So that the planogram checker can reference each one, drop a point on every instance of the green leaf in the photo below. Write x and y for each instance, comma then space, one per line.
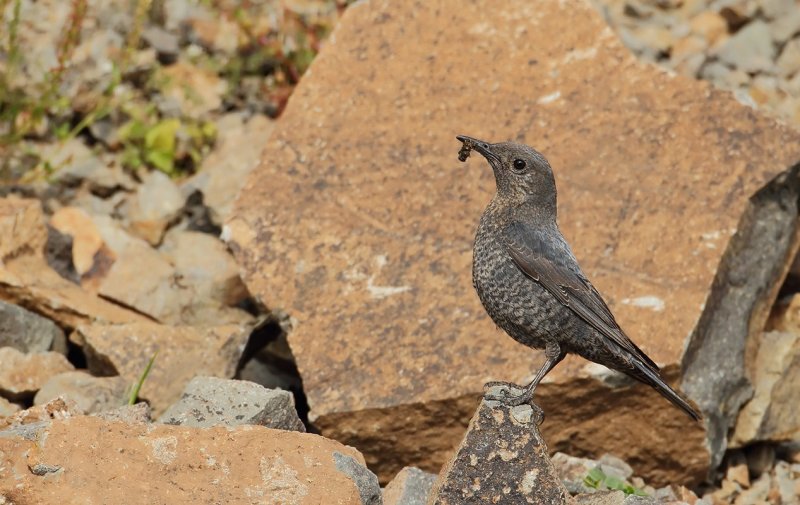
161, 137
612, 482
138, 386
162, 161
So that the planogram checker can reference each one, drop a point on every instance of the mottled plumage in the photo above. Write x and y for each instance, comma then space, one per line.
530, 282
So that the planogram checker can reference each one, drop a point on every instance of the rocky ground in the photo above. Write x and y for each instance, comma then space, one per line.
128, 129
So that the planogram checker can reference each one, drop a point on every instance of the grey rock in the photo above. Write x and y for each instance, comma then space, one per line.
508, 459
775, 9
210, 401
165, 43
789, 60
715, 373
785, 27
91, 394
131, 414
28, 332
723, 75
7, 408
367, 482
411, 486
750, 49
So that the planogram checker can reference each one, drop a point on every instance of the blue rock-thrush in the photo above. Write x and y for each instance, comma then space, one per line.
531, 284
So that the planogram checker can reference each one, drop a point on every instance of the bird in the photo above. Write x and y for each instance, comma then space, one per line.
531, 284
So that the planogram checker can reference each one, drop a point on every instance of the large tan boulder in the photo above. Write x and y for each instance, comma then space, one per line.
360, 221
85, 459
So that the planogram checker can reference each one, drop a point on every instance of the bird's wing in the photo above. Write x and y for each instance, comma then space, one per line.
554, 267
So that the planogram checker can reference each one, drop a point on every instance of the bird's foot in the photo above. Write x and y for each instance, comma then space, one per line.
507, 393
512, 395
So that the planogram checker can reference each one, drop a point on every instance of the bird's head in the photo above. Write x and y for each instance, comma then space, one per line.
523, 175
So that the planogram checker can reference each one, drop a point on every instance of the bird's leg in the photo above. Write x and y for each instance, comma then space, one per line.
553, 355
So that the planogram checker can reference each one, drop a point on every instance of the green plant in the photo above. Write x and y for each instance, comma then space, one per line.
134, 396
598, 479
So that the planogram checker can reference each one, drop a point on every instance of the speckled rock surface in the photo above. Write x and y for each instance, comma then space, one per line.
363, 231
72, 461
411, 486
211, 401
502, 459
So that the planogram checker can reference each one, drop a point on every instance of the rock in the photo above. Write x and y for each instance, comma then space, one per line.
183, 353
138, 413
789, 60
411, 486
391, 337
208, 273
156, 204
21, 375
197, 91
91, 394
215, 34
179, 464
28, 332
502, 459
785, 27
7, 408
58, 408
209, 401
367, 482
28, 281
774, 9
772, 414
145, 280
236, 153
86, 238
750, 49
191, 280
165, 43
724, 76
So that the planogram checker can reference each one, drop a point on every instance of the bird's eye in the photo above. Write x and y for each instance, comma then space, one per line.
519, 165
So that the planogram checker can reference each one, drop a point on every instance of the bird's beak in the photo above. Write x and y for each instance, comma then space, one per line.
483, 147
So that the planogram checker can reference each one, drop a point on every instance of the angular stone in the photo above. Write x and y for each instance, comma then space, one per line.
28, 332
236, 154
183, 353
86, 238
39, 415
7, 408
91, 394
502, 459
138, 413
789, 60
772, 414
613, 498
210, 401
178, 464
209, 275
750, 49
411, 486
360, 225
192, 280
22, 375
156, 203
785, 27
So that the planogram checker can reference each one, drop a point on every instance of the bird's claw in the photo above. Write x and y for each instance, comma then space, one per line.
505, 396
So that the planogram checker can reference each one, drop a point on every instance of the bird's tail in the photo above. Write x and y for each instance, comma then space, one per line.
653, 378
